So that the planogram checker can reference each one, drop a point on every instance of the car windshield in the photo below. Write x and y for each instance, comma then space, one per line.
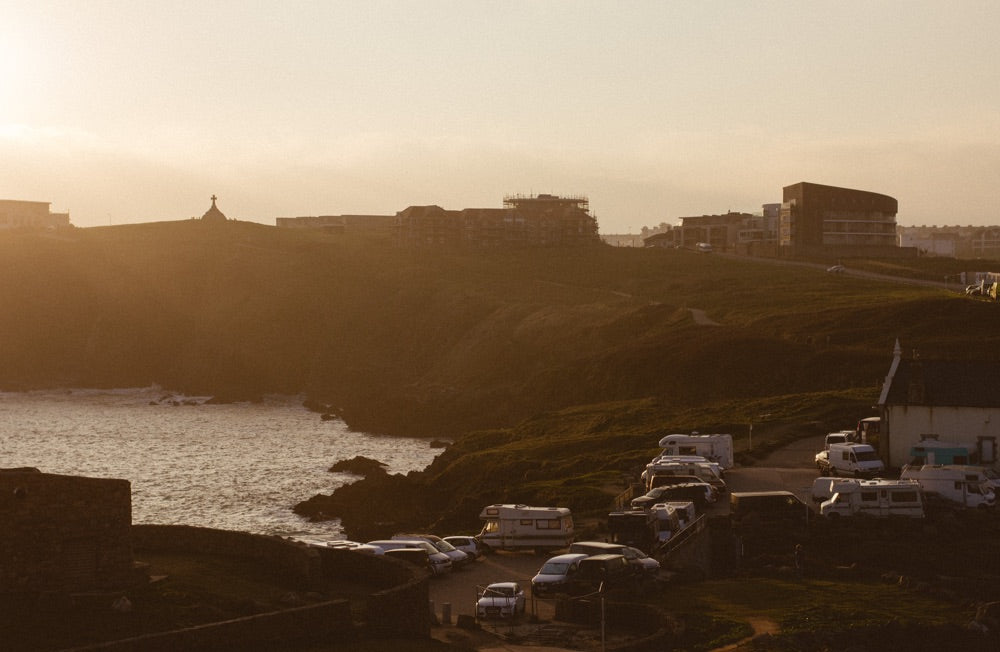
444, 546
554, 568
500, 590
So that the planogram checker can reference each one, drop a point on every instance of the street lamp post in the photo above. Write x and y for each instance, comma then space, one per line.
750, 434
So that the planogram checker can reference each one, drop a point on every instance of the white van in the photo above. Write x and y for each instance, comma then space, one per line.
715, 448
520, 527
879, 498
954, 484
859, 460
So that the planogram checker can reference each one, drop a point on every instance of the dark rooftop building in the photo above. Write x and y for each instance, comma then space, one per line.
815, 217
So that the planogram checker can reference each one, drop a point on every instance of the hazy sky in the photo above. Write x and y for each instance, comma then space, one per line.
139, 111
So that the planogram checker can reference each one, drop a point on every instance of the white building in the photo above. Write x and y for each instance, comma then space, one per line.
948, 400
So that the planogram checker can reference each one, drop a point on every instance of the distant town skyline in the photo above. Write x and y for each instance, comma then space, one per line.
120, 112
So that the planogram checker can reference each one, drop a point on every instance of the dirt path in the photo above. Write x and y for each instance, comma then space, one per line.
701, 318
760, 626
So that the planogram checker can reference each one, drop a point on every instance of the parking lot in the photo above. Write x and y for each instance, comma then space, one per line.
789, 469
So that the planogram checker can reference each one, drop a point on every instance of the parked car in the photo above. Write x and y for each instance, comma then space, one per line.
700, 493
605, 571
458, 558
440, 562
556, 575
468, 545
416, 556
353, 546
640, 562
500, 600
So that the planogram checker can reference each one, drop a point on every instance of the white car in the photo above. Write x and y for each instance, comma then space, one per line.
500, 600
440, 562
457, 557
468, 545
353, 546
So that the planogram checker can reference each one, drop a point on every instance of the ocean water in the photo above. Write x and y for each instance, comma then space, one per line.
240, 466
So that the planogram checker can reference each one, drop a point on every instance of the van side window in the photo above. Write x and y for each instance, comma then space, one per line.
903, 496
527, 521
869, 497
547, 524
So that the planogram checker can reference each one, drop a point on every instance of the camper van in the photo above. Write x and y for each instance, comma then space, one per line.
520, 527
715, 448
959, 484
824, 487
859, 460
880, 498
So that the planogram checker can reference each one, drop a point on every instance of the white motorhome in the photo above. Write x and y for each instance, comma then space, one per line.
859, 460
824, 487
716, 448
959, 484
520, 527
879, 498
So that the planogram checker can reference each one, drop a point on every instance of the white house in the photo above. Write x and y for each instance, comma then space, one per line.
955, 401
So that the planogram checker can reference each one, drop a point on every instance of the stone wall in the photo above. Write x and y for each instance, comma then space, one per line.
400, 594
399, 603
64, 533
296, 562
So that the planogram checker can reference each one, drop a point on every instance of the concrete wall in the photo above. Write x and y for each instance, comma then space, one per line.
64, 533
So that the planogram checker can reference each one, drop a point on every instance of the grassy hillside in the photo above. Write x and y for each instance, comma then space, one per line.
435, 342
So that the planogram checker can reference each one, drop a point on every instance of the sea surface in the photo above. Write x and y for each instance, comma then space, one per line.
239, 466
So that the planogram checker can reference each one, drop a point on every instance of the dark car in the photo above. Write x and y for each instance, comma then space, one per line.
605, 571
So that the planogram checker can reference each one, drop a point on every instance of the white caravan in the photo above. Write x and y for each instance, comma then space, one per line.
955, 484
880, 498
715, 448
520, 527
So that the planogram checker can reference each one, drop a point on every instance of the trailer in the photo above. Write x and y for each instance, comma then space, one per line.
521, 527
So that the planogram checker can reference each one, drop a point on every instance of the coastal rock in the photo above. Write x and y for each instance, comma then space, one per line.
360, 465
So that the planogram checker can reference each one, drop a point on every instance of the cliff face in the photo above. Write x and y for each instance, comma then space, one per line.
437, 342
